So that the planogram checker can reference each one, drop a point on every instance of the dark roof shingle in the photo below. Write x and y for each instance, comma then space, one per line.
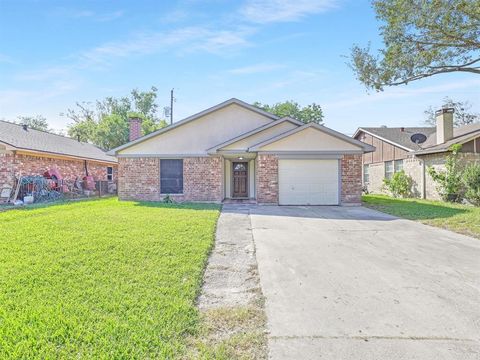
36, 140
399, 137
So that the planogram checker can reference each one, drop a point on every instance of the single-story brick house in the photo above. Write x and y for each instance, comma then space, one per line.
414, 149
25, 151
236, 151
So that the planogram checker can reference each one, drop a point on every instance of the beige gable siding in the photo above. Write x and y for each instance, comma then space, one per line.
197, 136
310, 139
261, 136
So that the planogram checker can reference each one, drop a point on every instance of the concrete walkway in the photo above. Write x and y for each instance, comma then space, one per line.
352, 283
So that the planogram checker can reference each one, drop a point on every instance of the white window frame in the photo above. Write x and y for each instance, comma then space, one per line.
366, 174
395, 168
389, 174
109, 173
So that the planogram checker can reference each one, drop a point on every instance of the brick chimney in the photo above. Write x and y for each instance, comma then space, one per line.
444, 125
135, 128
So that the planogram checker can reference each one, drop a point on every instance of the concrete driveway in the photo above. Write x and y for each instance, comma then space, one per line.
352, 283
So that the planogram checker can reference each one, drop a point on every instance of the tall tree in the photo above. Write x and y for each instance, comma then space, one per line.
37, 122
463, 114
307, 114
422, 38
106, 123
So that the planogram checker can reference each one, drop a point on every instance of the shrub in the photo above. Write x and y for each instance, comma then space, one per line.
449, 182
168, 199
400, 185
471, 181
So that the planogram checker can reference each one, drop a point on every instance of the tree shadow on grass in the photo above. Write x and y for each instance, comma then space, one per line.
415, 210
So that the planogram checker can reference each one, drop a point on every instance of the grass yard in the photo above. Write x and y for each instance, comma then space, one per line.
455, 217
102, 279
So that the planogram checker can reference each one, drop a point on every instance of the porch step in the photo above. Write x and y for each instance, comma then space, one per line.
239, 201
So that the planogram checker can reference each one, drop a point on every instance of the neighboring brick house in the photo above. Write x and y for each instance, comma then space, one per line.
414, 149
237, 151
25, 151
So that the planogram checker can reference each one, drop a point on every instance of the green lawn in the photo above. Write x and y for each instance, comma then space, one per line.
459, 218
102, 279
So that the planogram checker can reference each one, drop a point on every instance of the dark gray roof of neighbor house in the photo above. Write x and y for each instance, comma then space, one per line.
397, 136
461, 135
35, 140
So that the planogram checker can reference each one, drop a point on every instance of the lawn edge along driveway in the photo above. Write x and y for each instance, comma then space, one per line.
462, 219
102, 279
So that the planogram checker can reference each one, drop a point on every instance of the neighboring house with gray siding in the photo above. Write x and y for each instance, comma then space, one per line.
413, 149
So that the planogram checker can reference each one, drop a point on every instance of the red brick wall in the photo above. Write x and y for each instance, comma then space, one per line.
16, 165
267, 179
351, 179
203, 179
139, 179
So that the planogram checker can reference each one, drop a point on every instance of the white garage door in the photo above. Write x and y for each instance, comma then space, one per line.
308, 182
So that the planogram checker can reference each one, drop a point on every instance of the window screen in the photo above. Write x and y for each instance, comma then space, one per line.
365, 174
388, 169
171, 176
398, 165
109, 173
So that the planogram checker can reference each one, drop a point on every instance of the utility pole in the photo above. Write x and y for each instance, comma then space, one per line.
171, 107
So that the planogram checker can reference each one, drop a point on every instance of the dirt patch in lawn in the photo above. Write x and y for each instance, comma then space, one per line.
231, 303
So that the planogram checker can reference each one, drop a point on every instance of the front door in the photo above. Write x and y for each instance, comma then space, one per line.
240, 179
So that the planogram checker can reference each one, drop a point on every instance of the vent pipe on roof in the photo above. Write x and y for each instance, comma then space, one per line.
444, 125
25, 127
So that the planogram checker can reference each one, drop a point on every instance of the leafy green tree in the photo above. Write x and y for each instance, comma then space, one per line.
37, 122
422, 38
471, 181
106, 124
450, 185
462, 115
307, 114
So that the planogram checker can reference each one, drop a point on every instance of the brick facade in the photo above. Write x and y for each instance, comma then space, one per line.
15, 165
139, 179
203, 180
351, 170
267, 179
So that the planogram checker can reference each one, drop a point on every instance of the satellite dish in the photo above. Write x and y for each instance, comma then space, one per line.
418, 138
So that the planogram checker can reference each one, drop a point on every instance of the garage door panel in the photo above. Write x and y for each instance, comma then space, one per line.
308, 182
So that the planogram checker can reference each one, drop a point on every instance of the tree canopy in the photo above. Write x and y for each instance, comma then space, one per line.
307, 114
37, 122
106, 123
422, 38
463, 114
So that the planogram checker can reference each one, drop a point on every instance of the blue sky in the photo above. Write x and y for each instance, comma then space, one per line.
55, 53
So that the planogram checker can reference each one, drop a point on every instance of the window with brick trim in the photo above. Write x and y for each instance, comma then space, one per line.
389, 169
171, 176
365, 174
109, 173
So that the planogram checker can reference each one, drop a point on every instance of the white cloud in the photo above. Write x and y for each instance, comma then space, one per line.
183, 40
269, 11
256, 68
89, 14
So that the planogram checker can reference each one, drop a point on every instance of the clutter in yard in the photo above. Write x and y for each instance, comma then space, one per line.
52, 186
